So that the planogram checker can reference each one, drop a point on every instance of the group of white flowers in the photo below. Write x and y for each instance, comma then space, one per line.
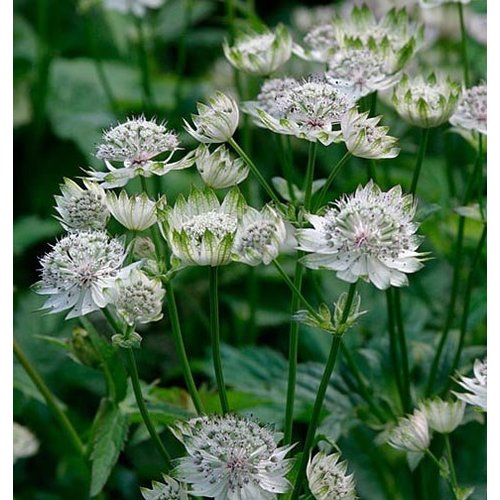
369, 234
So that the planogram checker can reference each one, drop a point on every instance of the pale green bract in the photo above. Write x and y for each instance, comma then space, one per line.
169, 489
411, 433
476, 387
443, 416
135, 212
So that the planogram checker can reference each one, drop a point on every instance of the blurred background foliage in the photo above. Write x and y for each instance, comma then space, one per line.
77, 71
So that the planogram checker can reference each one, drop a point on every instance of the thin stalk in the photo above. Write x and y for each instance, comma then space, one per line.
373, 103
451, 464
180, 348
286, 157
329, 180
255, 171
144, 66
320, 396
293, 349
420, 159
372, 110
463, 45
60, 416
215, 338
230, 18
132, 367
403, 350
311, 161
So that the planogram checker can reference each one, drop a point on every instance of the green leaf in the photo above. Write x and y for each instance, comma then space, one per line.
31, 229
109, 435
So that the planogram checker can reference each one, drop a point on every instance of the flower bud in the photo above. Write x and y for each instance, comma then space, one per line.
411, 433
136, 212
443, 416
83, 349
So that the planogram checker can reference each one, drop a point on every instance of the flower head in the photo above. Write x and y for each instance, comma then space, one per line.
137, 298
136, 212
81, 208
443, 416
169, 489
215, 123
136, 144
370, 234
411, 433
78, 269
231, 458
365, 139
25, 442
426, 103
201, 230
476, 387
135, 7
220, 169
260, 53
328, 479
259, 237
471, 112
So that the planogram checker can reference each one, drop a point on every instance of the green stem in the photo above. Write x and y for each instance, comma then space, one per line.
403, 350
144, 66
132, 366
255, 171
465, 59
50, 400
230, 17
329, 180
180, 348
215, 338
320, 396
420, 160
451, 464
308, 181
293, 348
287, 163
373, 103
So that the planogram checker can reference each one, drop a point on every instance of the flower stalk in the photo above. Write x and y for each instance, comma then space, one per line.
420, 159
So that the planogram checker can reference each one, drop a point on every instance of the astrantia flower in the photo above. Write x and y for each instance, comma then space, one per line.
328, 479
259, 237
77, 270
443, 416
136, 7
426, 103
411, 433
320, 43
25, 443
81, 208
215, 123
137, 298
135, 144
168, 490
260, 53
365, 139
268, 98
311, 110
471, 112
220, 169
136, 212
201, 230
232, 458
427, 4
370, 234
476, 387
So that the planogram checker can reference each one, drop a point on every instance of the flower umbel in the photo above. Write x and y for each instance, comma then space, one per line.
328, 478
365, 139
81, 208
471, 113
411, 433
77, 270
215, 123
170, 489
370, 234
231, 458
260, 53
476, 387
443, 416
136, 212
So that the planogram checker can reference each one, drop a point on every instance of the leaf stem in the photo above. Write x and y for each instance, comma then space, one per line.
308, 181
420, 159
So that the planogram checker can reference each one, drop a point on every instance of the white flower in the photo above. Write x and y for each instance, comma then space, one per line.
201, 230
77, 270
215, 123
320, 43
135, 144
426, 103
232, 458
25, 442
311, 110
365, 139
81, 208
443, 416
411, 433
268, 97
370, 234
137, 298
427, 4
471, 112
220, 169
476, 387
328, 479
170, 489
136, 7
259, 237
136, 212
260, 53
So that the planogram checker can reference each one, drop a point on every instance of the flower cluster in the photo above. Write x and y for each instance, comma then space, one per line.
476, 387
471, 112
